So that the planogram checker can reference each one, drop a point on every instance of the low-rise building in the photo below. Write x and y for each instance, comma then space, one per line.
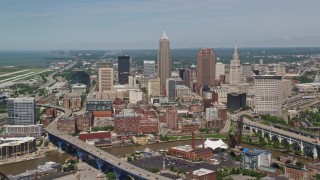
297, 173
140, 139
78, 88
74, 124
13, 147
99, 139
201, 174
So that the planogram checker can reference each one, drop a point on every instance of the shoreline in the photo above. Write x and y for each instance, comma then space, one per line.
19, 159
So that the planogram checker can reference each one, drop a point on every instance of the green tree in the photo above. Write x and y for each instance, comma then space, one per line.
111, 176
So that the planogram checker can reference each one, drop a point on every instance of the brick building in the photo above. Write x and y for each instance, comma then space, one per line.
192, 152
51, 112
135, 125
296, 172
172, 119
73, 124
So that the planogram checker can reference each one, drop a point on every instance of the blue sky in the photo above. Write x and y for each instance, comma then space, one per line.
138, 24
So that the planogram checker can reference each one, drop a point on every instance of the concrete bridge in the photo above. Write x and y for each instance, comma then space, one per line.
104, 160
308, 146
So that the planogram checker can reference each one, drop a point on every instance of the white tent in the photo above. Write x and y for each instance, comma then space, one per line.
215, 144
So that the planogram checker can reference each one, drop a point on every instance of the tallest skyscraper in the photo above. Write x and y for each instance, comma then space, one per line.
164, 62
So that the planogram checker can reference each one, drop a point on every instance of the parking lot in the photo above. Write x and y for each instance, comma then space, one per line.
181, 164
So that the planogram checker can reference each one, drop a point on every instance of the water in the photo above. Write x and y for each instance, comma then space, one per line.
29, 58
20, 167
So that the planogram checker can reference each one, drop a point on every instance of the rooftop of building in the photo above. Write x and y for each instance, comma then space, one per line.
94, 135
15, 141
31, 125
78, 85
254, 151
22, 99
202, 172
185, 148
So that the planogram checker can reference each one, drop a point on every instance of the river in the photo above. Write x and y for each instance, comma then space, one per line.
116, 151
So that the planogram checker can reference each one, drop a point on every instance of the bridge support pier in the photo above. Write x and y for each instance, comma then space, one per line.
100, 164
59, 146
315, 152
118, 174
270, 136
301, 147
81, 154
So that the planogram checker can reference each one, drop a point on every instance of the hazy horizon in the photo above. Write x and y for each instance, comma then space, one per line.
138, 24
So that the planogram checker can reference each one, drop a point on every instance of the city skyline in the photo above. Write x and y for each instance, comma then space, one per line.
97, 24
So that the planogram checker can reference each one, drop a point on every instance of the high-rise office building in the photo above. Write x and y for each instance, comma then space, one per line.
268, 94
235, 68
171, 89
105, 79
220, 70
149, 68
123, 69
206, 67
21, 111
164, 61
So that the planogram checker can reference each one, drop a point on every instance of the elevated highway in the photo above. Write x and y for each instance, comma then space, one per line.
309, 146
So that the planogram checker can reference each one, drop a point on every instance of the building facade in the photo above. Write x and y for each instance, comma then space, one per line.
164, 61
268, 95
149, 68
236, 101
171, 89
220, 70
105, 79
252, 159
154, 88
123, 69
247, 70
21, 111
206, 67
235, 68
172, 119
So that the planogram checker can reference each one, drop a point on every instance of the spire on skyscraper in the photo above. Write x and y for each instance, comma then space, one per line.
164, 35
235, 53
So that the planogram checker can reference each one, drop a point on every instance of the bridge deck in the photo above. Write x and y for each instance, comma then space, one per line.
281, 132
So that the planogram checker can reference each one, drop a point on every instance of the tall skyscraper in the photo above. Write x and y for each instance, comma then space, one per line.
105, 79
149, 68
21, 111
123, 69
268, 94
164, 61
206, 67
235, 68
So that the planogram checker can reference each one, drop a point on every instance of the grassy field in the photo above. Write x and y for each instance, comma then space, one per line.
198, 136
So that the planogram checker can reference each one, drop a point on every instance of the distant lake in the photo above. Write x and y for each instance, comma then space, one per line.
30, 58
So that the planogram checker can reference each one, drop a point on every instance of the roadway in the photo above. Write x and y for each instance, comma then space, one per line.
280, 131
114, 161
